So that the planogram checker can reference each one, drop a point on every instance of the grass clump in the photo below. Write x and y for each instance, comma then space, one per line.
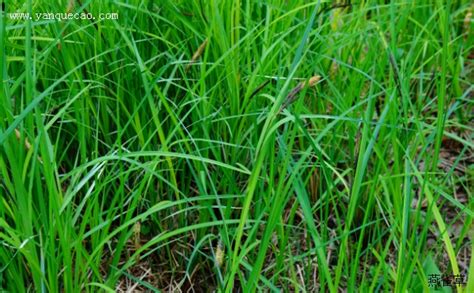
236, 145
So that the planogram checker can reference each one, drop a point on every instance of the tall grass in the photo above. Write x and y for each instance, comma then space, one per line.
159, 151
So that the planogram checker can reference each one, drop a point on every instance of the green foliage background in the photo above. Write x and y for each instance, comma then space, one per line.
125, 161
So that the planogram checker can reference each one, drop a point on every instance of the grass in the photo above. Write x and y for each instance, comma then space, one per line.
237, 146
